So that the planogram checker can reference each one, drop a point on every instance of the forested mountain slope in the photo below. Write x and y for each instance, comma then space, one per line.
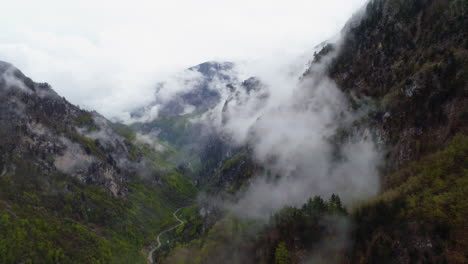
411, 56
407, 61
75, 188
363, 160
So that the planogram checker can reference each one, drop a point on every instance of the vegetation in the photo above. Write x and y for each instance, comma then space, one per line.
85, 120
124, 131
58, 219
176, 130
407, 59
288, 232
51, 217
419, 217
281, 254
424, 209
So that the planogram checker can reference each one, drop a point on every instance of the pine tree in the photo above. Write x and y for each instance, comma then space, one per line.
281, 254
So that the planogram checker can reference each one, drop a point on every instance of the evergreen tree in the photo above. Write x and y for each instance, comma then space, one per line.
281, 254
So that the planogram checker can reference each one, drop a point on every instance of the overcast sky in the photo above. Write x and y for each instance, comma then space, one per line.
107, 55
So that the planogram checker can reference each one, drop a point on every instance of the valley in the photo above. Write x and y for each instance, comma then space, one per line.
150, 254
357, 154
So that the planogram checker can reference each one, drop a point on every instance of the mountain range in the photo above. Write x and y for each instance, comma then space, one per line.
389, 104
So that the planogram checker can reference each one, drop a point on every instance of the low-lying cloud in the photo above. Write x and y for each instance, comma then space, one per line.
108, 55
293, 132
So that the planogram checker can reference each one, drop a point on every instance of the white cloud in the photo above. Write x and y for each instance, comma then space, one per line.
107, 55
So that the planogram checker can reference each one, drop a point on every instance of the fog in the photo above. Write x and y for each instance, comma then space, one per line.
291, 121
115, 67
131, 58
293, 133
108, 55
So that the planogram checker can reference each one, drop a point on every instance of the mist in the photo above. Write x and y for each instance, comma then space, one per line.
294, 122
291, 115
291, 122
108, 56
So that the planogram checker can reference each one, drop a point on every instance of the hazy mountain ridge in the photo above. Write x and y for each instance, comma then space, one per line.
74, 187
203, 149
412, 58
406, 61
44, 127
197, 90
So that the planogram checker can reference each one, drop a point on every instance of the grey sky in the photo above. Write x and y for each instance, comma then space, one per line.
107, 55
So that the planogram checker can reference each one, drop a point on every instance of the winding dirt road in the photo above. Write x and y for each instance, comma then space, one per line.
150, 254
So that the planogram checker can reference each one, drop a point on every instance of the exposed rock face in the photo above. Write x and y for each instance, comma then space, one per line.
216, 94
407, 60
203, 85
411, 57
40, 127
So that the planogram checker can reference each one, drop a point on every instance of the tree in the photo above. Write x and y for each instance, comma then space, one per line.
281, 254
335, 204
319, 205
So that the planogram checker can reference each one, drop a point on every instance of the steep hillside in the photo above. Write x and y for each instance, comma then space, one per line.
411, 57
406, 62
380, 116
75, 188
201, 88
200, 149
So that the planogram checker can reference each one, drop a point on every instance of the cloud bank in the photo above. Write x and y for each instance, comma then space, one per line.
294, 133
108, 55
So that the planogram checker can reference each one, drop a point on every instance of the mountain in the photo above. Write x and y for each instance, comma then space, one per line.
383, 107
405, 62
411, 57
201, 89
206, 87
56, 136
76, 188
